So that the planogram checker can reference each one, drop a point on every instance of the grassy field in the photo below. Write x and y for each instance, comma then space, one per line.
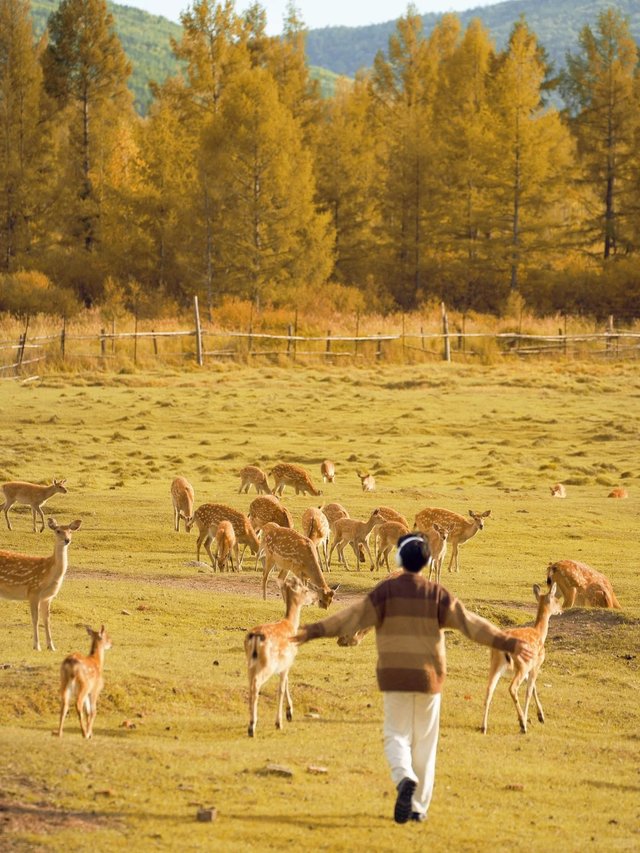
170, 735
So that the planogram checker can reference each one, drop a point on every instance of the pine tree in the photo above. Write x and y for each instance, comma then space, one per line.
600, 85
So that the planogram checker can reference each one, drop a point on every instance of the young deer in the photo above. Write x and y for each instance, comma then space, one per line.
17, 492
334, 511
548, 605
328, 471
290, 551
207, 518
348, 531
558, 491
268, 508
269, 649
251, 475
315, 526
387, 536
287, 474
367, 481
580, 584
618, 492
182, 498
459, 528
437, 537
37, 579
226, 544
81, 677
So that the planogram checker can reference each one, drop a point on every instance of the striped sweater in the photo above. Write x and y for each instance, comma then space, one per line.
410, 614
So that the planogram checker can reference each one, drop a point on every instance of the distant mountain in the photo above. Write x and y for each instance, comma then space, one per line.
557, 23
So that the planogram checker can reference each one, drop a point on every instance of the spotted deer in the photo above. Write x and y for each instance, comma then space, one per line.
268, 508
226, 545
182, 497
327, 471
334, 511
37, 579
348, 531
387, 535
81, 678
31, 494
367, 481
558, 491
437, 537
391, 514
207, 518
315, 525
580, 584
618, 492
251, 475
535, 636
295, 476
290, 551
459, 528
269, 649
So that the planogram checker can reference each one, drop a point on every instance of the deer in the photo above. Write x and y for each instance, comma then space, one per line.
288, 474
207, 518
367, 481
226, 544
334, 511
251, 475
268, 508
348, 531
391, 514
534, 636
618, 492
35, 496
580, 584
290, 551
437, 537
81, 677
182, 497
315, 526
459, 528
37, 579
270, 649
327, 471
558, 491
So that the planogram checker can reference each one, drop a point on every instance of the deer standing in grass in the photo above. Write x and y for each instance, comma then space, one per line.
387, 536
580, 584
268, 508
459, 528
618, 492
35, 496
334, 511
437, 538
290, 551
182, 497
207, 518
367, 481
534, 637
269, 649
81, 678
558, 491
315, 526
328, 471
288, 474
348, 531
37, 579
251, 475
225, 544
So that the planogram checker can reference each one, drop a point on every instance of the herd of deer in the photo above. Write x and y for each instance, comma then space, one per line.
268, 531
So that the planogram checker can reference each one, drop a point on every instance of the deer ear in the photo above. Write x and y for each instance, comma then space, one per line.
89, 630
486, 514
52, 523
76, 525
553, 589
536, 591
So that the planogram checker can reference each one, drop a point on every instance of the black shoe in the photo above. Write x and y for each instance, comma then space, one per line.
419, 817
402, 811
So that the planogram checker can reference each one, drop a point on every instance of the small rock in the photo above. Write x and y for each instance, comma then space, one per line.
276, 770
107, 792
216, 663
206, 815
125, 612
317, 769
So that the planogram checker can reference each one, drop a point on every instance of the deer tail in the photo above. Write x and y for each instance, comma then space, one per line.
255, 639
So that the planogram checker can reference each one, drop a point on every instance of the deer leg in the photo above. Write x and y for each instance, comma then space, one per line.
80, 702
531, 691
34, 604
46, 607
569, 597
7, 507
288, 695
268, 565
65, 696
497, 668
331, 550
199, 544
207, 546
366, 548
33, 518
92, 708
513, 692
280, 699
454, 557
176, 519
355, 551
254, 692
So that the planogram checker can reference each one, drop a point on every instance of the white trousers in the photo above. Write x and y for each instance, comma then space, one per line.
411, 725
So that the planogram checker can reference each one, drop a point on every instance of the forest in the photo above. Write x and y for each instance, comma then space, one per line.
445, 172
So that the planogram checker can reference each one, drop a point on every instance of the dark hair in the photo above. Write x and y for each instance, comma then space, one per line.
413, 552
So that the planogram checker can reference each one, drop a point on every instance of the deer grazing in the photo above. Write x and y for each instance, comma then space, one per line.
268, 508
459, 528
182, 498
288, 474
387, 535
618, 492
226, 544
328, 471
37, 579
348, 531
290, 551
81, 678
535, 636
31, 494
558, 491
315, 526
251, 475
207, 518
580, 584
367, 481
270, 649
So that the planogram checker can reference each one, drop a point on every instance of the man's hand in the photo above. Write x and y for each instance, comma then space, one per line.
301, 637
524, 651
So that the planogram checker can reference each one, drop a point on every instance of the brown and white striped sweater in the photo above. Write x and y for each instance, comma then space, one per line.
410, 614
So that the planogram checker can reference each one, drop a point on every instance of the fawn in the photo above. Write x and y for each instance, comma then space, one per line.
81, 677
182, 497
348, 531
225, 544
328, 471
288, 474
17, 492
251, 475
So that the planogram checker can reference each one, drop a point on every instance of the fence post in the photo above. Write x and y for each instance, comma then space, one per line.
295, 335
103, 343
379, 348
135, 339
328, 347
155, 342
422, 335
357, 331
196, 312
63, 335
113, 336
21, 344
404, 349
446, 355
289, 342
